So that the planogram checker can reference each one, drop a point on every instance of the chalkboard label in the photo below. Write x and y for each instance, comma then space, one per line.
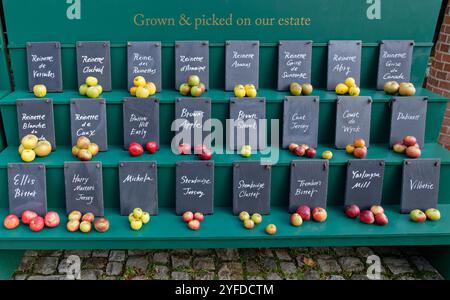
294, 63
247, 123
195, 187
241, 63
35, 116
190, 117
27, 188
420, 184
84, 187
140, 121
408, 118
352, 120
191, 58
300, 120
251, 187
364, 182
138, 186
93, 59
144, 59
44, 65
88, 118
344, 60
309, 184
394, 62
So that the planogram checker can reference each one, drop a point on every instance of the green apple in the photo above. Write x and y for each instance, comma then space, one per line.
137, 213
257, 218
145, 217
83, 89
433, 214
244, 216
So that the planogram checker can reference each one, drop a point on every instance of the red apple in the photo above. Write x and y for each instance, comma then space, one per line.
409, 140
37, 224
359, 143
305, 212
199, 216
319, 214
304, 146
300, 151
417, 215
381, 219
51, 219
198, 149
151, 147
413, 152
73, 225
360, 152
377, 209
135, 149
367, 217
28, 216
88, 217
188, 216
352, 211
11, 222
292, 147
101, 225
296, 220
311, 152
194, 224
184, 149
206, 155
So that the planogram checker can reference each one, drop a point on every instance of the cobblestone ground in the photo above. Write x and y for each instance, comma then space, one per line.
294, 263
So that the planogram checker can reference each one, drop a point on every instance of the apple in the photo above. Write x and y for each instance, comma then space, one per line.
391, 87
75, 215
93, 148
433, 214
133, 91
349, 149
198, 149
350, 82
407, 89
354, 91
360, 152
194, 225
139, 81
101, 225
246, 151
21, 148
413, 152
145, 217
319, 214
377, 209
367, 217
296, 220
196, 91
85, 226
37, 224
295, 88
73, 225
251, 92
84, 155
27, 216
83, 142
359, 143
11, 222
88, 217
352, 211
28, 155
188, 216
399, 147
137, 213
206, 155
151, 147
305, 212
184, 89
202, 87
40, 90
311, 152
304, 146
193, 80
249, 224
409, 140
83, 89
381, 219
135, 149
307, 89
75, 151
417, 215
52, 219
43, 148
91, 81
327, 154
93, 92
300, 151
271, 229
239, 91
199, 216
151, 87
184, 149
257, 218
244, 216
29, 141
292, 147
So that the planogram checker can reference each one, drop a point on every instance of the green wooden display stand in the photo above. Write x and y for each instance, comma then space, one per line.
119, 22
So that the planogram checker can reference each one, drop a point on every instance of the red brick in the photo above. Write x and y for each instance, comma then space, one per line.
445, 85
446, 68
436, 65
441, 75
444, 47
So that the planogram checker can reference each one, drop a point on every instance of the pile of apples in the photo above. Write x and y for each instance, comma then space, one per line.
403, 89
304, 213
193, 86
84, 150
248, 221
31, 146
408, 146
374, 215
248, 90
203, 152
138, 218
33, 220
142, 88
77, 221
348, 87
193, 220
302, 150
419, 216
40, 90
298, 89
136, 149
358, 148
91, 88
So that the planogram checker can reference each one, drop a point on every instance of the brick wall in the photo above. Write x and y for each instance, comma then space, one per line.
438, 79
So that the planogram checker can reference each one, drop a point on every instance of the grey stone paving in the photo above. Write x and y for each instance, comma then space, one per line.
345, 263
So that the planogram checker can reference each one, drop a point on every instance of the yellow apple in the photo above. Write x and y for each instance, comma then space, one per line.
145, 217
251, 92
142, 92
136, 225
151, 87
341, 89
29, 141
350, 82
83, 89
354, 91
139, 81
40, 90
133, 90
91, 81
43, 148
21, 148
93, 92
28, 155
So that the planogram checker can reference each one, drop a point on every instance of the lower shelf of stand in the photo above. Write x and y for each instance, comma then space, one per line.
222, 229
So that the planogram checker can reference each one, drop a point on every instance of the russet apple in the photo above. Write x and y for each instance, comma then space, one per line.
27, 216
381, 219
367, 217
75, 215
199, 216
417, 215
88, 217
407, 89
433, 214
271, 229
256, 218
319, 214
29, 141
352, 211
11, 222
194, 225
37, 224
391, 87
73, 225
413, 152
244, 216
145, 217
101, 225
296, 220
52, 219
377, 209
307, 89
43, 148
188, 216
249, 224
83, 142
305, 212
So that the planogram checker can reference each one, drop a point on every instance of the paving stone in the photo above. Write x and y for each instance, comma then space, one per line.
351, 264
398, 265
254, 277
265, 252
137, 252
100, 253
139, 263
180, 262
269, 264
344, 251
184, 252
274, 276
202, 251
26, 265
180, 276
407, 278
204, 263
46, 265
204, 276
311, 275
80, 253
283, 254
51, 277
422, 265
231, 271
359, 277
139, 277
364, 251
249, 253
117, 255
161, 273
161, 258
91, 274
328, 265
335, 277
288, 268
228, 254
33, 253
20, 276
110, 278
114, 268
94, 263
251, 266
